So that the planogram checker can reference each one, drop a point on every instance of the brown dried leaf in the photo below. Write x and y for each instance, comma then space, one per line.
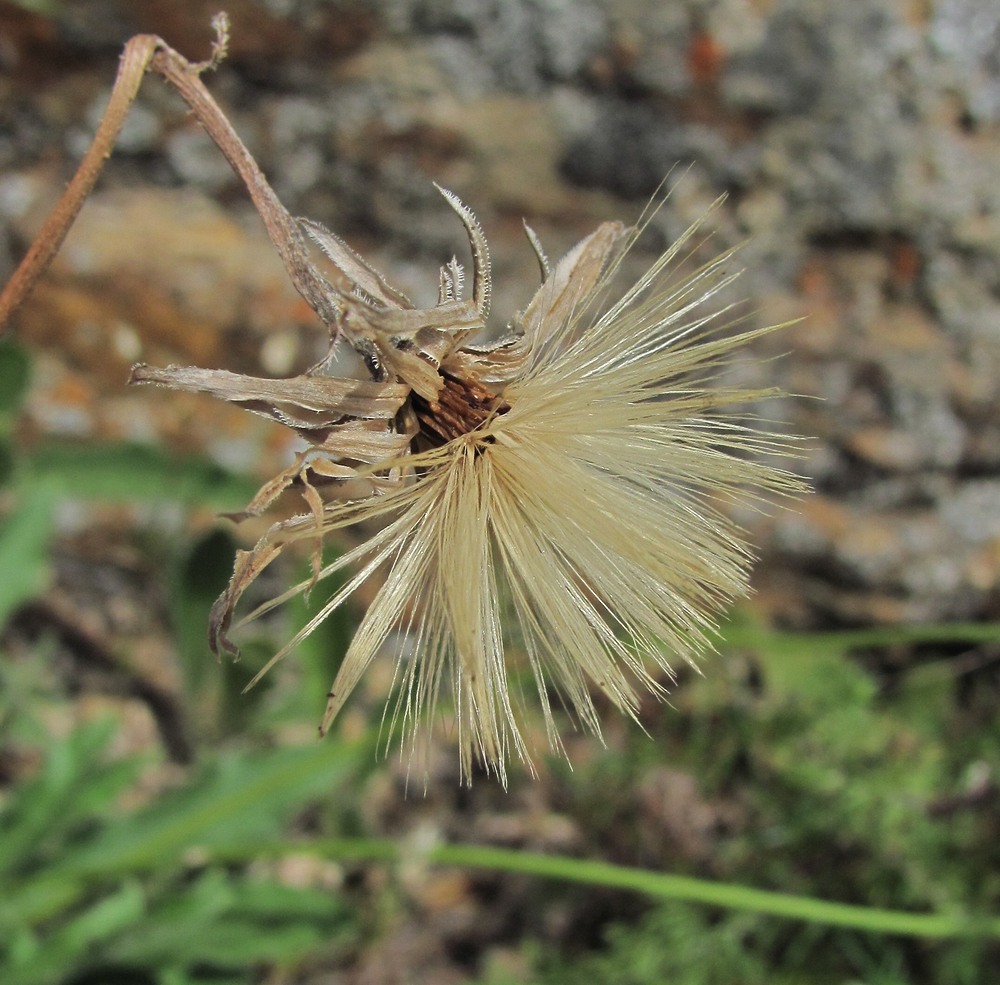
248, 566
333, 399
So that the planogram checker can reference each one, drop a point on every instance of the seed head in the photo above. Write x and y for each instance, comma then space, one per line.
551, 500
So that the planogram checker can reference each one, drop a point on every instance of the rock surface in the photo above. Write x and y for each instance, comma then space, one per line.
857, 143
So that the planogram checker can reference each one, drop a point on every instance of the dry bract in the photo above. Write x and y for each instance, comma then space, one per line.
549, 500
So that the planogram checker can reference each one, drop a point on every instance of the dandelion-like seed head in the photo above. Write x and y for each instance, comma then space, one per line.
551, 500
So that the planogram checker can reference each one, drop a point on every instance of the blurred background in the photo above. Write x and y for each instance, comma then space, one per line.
843, 743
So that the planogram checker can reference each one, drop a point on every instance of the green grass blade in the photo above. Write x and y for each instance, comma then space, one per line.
242, 798
745, 634
659, 885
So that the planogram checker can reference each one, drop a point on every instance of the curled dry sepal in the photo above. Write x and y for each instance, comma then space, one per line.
552, 499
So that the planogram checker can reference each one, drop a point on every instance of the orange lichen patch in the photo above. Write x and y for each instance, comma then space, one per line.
869, 537
915, 13
79, 319
970, 390
72, 391
279, 442
205, 276
823, 325
885, 446
705, 58
905, 264
70, 320
832, 520
814, 280
882, 610
982, 567
907, 328
272, 305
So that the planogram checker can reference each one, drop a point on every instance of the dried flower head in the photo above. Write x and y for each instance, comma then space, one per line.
552, 499
552, 496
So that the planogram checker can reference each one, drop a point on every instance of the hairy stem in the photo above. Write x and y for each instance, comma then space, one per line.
148, 52
280, 225
134, 61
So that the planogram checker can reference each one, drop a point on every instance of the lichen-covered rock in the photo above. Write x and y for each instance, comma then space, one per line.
858, 142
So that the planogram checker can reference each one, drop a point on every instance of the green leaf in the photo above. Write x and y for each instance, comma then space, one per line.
208, 922
102, 920
24, 541
225, 942
15, 375
8, 465
58, 798
321, 653
136, 472
199, 575
274, 901
242, 796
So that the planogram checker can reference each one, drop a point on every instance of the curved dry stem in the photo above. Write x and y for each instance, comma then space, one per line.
134, 61
332, 302
328, 301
